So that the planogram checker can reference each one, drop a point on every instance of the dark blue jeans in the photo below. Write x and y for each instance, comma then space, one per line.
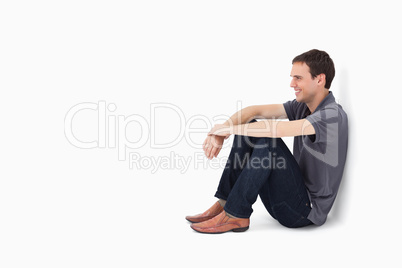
264, 167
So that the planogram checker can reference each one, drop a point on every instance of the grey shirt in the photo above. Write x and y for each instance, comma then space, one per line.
322, 156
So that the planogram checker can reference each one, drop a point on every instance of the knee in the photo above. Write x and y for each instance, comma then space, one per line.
257, 142
267, 142
271, 142
244, 141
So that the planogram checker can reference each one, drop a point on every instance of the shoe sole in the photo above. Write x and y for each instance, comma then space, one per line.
239, 230
236, 230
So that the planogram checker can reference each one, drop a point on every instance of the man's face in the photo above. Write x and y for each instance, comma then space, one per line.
305, 87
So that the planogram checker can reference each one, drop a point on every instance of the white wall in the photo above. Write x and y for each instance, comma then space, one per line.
69, 206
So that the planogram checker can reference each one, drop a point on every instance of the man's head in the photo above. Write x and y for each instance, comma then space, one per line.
312, 72
319, 62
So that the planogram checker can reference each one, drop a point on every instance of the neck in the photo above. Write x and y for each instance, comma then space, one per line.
317, 100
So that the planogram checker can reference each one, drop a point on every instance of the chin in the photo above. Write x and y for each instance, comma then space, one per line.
299, 99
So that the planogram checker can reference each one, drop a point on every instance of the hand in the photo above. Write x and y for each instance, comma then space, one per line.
213, 145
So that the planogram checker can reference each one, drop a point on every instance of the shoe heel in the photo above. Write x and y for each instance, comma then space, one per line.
238, 230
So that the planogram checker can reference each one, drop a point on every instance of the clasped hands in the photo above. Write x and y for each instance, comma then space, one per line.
213, 143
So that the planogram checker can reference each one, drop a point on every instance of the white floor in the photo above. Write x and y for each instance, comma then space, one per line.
89, 219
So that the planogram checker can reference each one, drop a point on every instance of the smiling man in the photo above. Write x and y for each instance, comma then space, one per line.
302, 189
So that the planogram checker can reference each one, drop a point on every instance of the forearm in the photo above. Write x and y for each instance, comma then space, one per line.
264, 128
241, 117
267, 128
244, 116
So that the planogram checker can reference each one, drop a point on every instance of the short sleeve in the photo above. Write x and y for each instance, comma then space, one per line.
290, 108
325, 123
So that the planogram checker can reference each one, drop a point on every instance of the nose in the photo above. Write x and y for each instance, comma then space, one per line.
292, 83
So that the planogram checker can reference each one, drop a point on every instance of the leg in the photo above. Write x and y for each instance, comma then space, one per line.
284, 194
255, 172
240, 153
272, 172
265, 168
242, 147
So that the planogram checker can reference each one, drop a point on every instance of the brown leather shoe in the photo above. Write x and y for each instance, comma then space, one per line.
221, 224
207, 215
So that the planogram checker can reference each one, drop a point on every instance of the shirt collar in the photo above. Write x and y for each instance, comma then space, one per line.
326, 101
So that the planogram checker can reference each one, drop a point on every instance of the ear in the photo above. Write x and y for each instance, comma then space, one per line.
321, 79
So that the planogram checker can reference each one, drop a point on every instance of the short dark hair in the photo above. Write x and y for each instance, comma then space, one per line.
319, 62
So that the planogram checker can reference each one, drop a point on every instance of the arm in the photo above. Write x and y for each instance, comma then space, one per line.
213, 143
267, 128
249, 113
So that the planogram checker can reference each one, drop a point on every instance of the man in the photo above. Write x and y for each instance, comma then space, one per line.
299, 189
